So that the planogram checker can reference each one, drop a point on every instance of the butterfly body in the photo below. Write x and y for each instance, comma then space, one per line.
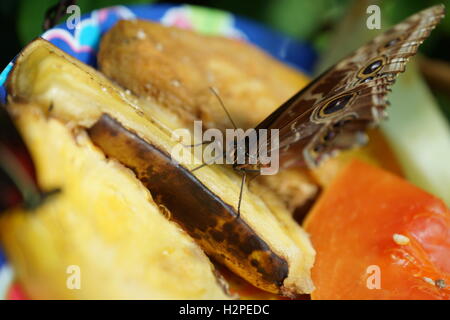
333, 112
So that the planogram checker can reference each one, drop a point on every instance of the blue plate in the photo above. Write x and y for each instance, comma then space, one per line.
82, 43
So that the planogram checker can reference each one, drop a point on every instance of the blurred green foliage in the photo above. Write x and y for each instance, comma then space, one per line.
303, 19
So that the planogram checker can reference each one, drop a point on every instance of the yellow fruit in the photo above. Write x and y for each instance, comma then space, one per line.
103, 221
266, 246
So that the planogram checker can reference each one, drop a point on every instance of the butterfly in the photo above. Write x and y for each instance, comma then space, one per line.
332, 113
334, 110
55, 13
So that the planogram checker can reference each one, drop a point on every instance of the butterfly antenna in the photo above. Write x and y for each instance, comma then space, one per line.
229, 117
252, 178
213, 90
206, 163
200, 166
195, 144
244, 175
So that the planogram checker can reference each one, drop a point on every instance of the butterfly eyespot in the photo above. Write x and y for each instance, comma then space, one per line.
331, 108
337, 104
343, 121
329, 135
319, 147
391, 42
340, 123
367, 79
372, 68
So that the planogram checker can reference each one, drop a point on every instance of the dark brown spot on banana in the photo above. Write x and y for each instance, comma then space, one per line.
206, 217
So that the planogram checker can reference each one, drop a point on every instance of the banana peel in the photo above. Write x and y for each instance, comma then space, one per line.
265, 245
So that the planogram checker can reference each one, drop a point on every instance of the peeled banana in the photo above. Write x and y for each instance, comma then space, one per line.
265, 245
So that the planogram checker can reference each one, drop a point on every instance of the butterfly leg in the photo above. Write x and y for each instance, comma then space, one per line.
211, 161
197, 144
244, 176
243, 181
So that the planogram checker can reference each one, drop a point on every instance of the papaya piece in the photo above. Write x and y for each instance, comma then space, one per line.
379, 237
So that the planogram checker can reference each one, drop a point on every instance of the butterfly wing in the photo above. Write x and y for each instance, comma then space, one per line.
333, 111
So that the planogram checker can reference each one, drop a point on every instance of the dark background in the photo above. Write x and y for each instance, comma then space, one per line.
311, 21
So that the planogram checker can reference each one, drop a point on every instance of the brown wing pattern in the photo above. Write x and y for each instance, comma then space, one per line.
332, 113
